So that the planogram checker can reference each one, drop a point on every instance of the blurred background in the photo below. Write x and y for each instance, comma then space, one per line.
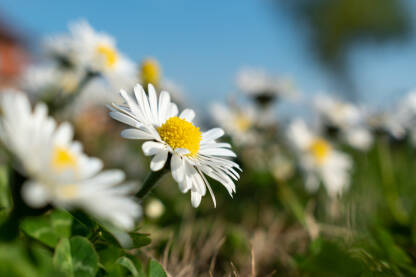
363, 50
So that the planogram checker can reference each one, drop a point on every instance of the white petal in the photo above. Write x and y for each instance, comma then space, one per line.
123, 118
35, 194
151, 148
153, 102
199, 184
218, 152
187, 182
134, 108
135, 134
143, 102
212, 134
182, 151
159, 160
63, 134
173, 110
195, 199
187, 114
178, 168
164, 102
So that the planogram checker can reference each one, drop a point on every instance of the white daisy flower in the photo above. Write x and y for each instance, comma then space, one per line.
401, 121
41, 79
193, 154
236, 122
58, 171
94, 51
263, 87
319, 160
346, 118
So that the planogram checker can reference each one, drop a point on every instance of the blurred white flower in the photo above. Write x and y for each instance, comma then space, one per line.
319, 160
402, 119
154, 208
236, 122
93, 51
57, 169
42, 79
192, 153
347, 118
258, 84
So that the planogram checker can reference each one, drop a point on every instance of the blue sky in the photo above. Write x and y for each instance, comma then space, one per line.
202, 44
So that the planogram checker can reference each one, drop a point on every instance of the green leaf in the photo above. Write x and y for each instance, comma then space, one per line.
50, 228
140, 239
18, 260
84, 257
62, 258
129, 265
154, 269
76, 257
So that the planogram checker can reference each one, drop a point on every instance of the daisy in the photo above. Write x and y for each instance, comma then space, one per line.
193, 154
58, 171
337, 115
93, 51
236, 122
401, 120
43, 80
264, 88
319, 160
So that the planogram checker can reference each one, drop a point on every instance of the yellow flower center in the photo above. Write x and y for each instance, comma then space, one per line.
63, 159
179, 133
320, 150
150, 72
109, 53
242, 122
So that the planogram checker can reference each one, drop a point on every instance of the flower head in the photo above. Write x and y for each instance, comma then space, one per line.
193, 154
89, 50
57, 169
346, 119
236, 122
320, 160
263, 87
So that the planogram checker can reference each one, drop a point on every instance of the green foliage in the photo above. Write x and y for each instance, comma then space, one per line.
5, 197
76, 257
154, 269
327, 258
49, 228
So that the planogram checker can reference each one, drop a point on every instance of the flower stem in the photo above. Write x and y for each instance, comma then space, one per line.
150, 182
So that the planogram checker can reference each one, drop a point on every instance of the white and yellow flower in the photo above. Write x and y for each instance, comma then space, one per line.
58, 171
236, 122
346, 117
319, 160
262, 86
41, 79
192, 153
94, 51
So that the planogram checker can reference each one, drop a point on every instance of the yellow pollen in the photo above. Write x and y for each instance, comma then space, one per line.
179, 133
242, 122
63, 159
109, 53
320, 150
150, 72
